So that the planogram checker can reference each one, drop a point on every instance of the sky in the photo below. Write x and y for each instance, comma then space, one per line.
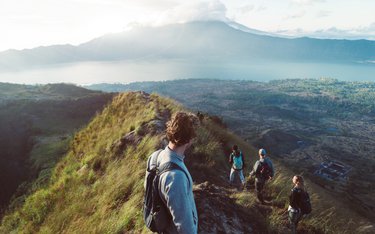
28, 24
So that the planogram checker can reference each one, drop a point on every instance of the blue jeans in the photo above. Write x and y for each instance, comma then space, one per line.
238, 172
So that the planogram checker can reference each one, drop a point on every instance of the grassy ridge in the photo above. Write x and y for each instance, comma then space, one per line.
333, 119
95, 187
98, 186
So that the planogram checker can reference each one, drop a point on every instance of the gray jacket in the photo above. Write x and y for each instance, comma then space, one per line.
176, 190
256, 168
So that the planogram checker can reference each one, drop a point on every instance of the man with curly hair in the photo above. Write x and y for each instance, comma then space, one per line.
176, 185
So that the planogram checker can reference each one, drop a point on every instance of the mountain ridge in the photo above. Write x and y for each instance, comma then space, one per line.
212, 40
304, 122
98, 186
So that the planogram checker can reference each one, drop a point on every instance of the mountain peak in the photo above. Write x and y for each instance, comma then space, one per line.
213, 41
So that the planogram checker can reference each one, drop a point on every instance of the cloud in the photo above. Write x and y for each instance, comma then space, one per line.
246, 9
297, 15
306, 2
364, 32
261, 8
131, 3
322, 14
194, 11
368, 29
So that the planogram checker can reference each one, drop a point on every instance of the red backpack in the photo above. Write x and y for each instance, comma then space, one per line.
265, 170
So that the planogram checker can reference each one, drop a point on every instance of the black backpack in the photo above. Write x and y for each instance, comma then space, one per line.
264, 170
155, 213
304, 202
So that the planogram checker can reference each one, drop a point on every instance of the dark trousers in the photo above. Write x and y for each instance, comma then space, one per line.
294, 218
259, 185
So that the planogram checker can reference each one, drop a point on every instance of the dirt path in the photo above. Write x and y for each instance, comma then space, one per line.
220, 213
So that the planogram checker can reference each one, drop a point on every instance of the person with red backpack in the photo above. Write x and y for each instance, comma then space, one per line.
263, 171
237, 163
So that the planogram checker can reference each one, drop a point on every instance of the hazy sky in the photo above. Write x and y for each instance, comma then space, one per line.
27, 24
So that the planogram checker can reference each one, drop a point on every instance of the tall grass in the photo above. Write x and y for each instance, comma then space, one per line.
98, 186
92, 189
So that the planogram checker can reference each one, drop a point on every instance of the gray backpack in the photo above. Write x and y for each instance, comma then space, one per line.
155, 213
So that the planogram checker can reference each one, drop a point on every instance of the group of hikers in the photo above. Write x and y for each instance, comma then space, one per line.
169, 205
262, 170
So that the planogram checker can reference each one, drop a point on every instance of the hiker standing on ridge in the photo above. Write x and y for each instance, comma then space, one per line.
174, 187
263, 171
299, 203
237, 163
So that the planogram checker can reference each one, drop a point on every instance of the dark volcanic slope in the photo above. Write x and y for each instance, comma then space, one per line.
36, 124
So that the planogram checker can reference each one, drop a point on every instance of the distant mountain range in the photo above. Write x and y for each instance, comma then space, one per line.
196, 41
60, 92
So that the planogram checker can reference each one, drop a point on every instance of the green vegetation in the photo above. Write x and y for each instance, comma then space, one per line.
350, 96
304, 122
88, 190
98, 186
38, 92
37, 124
334, 96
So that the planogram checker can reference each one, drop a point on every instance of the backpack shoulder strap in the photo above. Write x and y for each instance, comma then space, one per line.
153, 160
169, 166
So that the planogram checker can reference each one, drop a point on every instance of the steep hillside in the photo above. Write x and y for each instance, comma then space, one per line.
37, 123
98, 186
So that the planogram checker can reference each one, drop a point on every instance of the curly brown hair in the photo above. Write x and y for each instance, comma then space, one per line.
180, 129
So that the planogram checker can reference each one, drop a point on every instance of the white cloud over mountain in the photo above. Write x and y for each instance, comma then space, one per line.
307, 2
28, 24
194, 11
367, 32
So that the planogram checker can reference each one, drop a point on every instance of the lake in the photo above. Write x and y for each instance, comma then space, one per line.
157, 70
